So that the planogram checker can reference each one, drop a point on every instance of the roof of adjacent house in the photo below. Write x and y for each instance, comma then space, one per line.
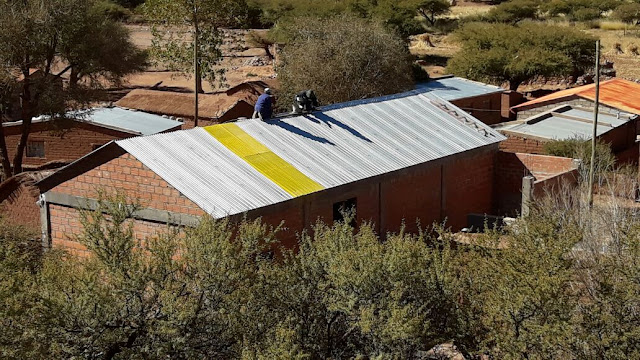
456, 88
114, 118
565, 122
616, 93
210, 106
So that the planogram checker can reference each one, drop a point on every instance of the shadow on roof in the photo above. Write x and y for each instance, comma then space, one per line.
322, 117
298, 131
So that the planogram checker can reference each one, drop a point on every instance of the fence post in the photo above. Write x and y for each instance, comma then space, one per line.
527, 195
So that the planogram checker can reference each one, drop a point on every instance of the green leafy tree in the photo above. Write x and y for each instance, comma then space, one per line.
580, 10
430, 9
187, 36
341, 59
514, 11
515, 54
51, 35
628, 13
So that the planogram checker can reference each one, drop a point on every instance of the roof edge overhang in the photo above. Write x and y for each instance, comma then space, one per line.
88, 162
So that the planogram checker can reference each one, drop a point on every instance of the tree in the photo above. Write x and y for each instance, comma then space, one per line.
499, 52
580, 10
187, 36
341, 59
36, 38
429, 9
514, 11
628, 13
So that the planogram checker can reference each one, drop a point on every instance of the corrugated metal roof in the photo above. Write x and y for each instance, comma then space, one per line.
616, 93
565, 122
456, 88
132, 122
332, 147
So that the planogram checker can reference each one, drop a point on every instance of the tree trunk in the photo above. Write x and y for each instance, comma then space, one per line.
514, 84
26, 122
73, 77
4, 154
268, 51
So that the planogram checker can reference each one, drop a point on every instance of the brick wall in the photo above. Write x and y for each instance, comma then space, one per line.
487, 107
64, 141
519, 144
548, 171
451, 188
127, 175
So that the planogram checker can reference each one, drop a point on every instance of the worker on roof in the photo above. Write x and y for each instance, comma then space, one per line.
264, 106
305, 102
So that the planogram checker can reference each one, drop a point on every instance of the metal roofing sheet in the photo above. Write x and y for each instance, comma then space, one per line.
335, 146
132, 121
617, 93
566, 122
455, 88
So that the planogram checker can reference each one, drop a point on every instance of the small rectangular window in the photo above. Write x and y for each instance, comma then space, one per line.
35, 149
341, 208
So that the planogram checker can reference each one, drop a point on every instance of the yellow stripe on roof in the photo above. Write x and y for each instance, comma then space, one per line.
263, 160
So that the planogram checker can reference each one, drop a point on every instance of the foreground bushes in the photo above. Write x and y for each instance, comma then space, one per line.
527, 292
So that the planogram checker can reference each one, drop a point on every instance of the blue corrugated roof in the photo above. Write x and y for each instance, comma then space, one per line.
456, 88
129, 121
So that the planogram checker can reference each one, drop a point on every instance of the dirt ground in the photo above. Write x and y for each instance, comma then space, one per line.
239, 65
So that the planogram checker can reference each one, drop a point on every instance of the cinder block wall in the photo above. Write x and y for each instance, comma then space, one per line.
447, 188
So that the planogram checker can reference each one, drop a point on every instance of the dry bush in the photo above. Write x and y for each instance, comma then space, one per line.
633, 49
617, 48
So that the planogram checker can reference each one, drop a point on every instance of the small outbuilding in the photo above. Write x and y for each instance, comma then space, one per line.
81, 132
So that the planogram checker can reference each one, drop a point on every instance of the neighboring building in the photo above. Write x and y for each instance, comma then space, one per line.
396, 159
487, 103
617, 128
65, 140
250, 90
18, 199
616, 95
212, 108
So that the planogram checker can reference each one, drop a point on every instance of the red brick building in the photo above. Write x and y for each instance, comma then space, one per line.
394, 159
66, 140
487, 103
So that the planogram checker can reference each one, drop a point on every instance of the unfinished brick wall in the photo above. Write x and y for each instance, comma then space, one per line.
67, 141
486, 108
520, 144
66, 225
133, 179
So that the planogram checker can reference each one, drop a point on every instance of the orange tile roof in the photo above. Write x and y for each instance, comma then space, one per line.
616, 93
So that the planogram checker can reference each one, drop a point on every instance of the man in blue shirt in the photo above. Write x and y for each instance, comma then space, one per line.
264, 106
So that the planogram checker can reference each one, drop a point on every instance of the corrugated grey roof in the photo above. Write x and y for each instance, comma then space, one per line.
456, 88
555, 125
338, 145
129, 121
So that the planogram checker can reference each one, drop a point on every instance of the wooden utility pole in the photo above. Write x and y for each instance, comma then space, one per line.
196, 65
595, 126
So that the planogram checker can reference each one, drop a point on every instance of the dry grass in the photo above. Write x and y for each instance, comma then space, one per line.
626, 63
464, 9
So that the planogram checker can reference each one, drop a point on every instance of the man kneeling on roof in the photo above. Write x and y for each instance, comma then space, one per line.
305, 102
264, 106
